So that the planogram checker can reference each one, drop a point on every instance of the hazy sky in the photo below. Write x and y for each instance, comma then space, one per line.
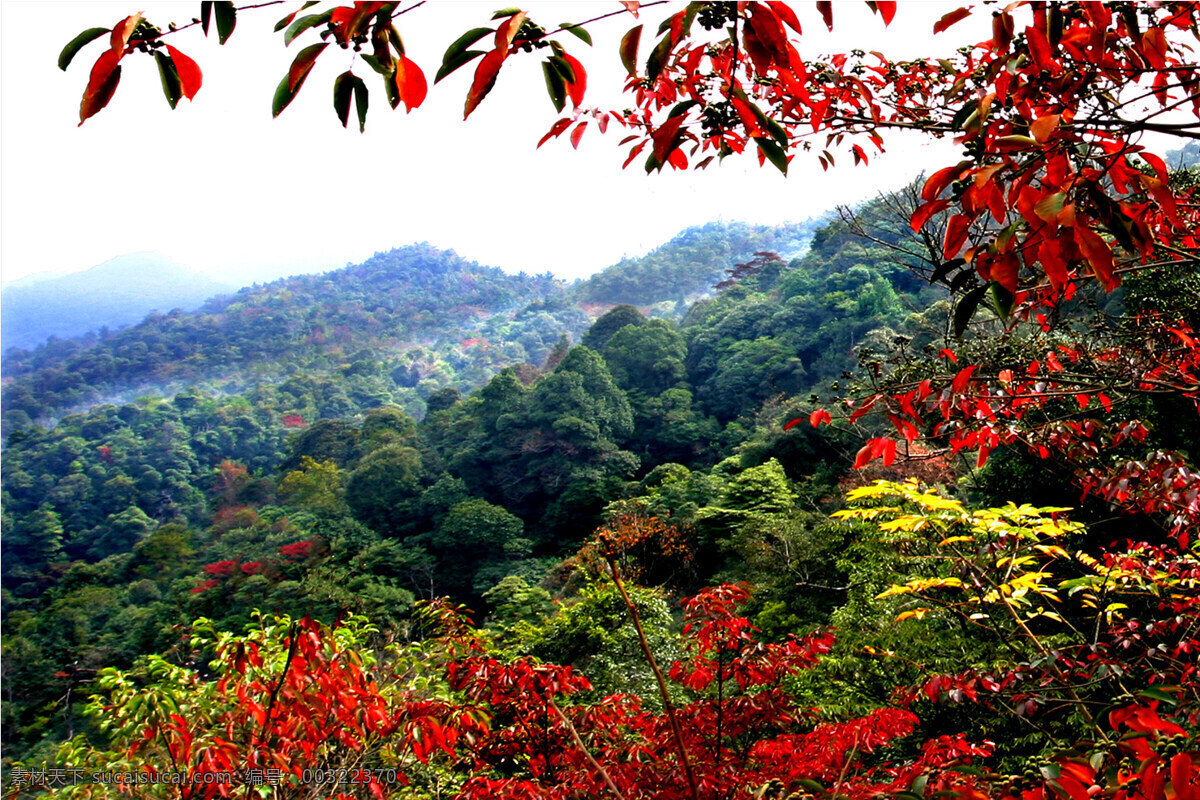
220, 186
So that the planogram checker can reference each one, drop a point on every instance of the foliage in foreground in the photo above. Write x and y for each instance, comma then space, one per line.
1101, 658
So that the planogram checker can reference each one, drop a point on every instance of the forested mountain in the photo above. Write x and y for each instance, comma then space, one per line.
286, 467
410, 315
400, 325
119, 292
419, 426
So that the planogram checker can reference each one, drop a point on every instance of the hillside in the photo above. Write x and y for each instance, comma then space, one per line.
386, 323
119, 292
691, 263
417, 426
401, 325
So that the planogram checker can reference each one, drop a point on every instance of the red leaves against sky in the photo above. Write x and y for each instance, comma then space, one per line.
181, 75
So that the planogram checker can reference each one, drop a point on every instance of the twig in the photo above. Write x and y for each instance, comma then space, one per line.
586, 754
676, 732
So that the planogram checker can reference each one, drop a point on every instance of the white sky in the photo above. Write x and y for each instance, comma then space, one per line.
219, 186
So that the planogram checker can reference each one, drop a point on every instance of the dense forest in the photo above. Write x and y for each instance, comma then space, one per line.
355, 445
319, 448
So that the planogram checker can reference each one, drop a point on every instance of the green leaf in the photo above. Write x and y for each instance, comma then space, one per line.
681, 108
206, 8
1002, 299
285, 94
960, 116
171, 85
283, 23
283, 97
554, 85
343, 87
506, 12
774, 153
966, 308
658, 58
575, 30
226, 19
304, 23
1159, 694
391, 92
360, 103
375, 64
454, 57
458, 60
76, 44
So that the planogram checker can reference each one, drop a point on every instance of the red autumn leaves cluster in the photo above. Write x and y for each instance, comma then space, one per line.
180, 75
301, 698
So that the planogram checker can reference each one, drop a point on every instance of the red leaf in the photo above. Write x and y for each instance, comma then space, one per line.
956, 235
817, 417
106, 73
577, 134
485, 78
1005, 270
792, 423
948, 354
949, 19
959, 385
410, 83
886, 9
190, 77
666, 138
303, 65
888, 451
508, 31
938, 181
1044, 126
1181, 776
629, 48
123, 30
984, 451
785, 13
864, 455
1098, 254
555, 130
632, 6
576, 88
924, 212
866, 406
826, 9
1159, 166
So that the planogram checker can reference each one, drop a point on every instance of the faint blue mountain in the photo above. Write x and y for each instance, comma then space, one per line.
119, 292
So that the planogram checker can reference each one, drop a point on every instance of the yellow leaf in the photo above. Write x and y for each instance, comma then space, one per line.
918, 613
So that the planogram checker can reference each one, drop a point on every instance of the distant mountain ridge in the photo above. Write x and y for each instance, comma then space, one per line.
119, 292
402, 324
